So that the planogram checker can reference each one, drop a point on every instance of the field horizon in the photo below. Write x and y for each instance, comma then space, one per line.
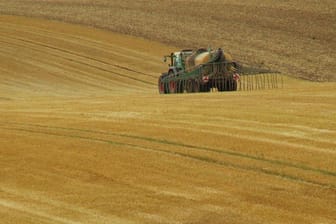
86, 138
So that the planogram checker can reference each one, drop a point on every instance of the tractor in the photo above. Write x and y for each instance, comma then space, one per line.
200, 70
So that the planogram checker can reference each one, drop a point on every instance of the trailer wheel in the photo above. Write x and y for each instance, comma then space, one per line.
234, 85
197, 86
205, 87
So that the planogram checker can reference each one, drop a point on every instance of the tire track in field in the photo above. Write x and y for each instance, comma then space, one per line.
57, 69
164, 141
93, 43
33, 212
30, 200
186, 126
88, 58
90, 77
97, 67
261, 123
202, 158
67, 40
277, 135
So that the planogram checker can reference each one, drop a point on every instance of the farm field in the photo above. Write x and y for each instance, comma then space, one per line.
295, 36
86, 138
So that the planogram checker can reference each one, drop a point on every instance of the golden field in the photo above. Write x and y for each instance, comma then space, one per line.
296, 37
86, 138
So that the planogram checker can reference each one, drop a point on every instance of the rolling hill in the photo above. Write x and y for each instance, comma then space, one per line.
86, 138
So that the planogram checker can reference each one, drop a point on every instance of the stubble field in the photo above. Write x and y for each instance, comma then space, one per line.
296, 36
85, 138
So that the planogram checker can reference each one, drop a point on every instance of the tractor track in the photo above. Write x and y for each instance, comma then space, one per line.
77, 61
76, 39
95, 63
206, 159
216, 150
89, 41
167, 142
90, 79
72, 78
276, 136
86, 138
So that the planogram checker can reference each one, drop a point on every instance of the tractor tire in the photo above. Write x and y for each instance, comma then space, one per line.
172, 87
171, 84
189, 86
161, 87
166, 86
180, 86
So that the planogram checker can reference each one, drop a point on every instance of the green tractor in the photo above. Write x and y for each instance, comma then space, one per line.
199, 71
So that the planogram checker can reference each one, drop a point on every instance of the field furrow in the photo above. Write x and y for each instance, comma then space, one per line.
86, 138
173, 146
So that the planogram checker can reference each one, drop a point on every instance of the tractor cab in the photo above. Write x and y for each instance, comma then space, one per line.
177, 60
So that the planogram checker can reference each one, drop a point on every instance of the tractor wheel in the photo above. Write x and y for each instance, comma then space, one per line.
180, 87
190, 86
166, 87
172, 87
184, 85
161, 86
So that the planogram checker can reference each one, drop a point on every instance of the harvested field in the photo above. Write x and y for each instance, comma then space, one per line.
293, 37
85, 138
